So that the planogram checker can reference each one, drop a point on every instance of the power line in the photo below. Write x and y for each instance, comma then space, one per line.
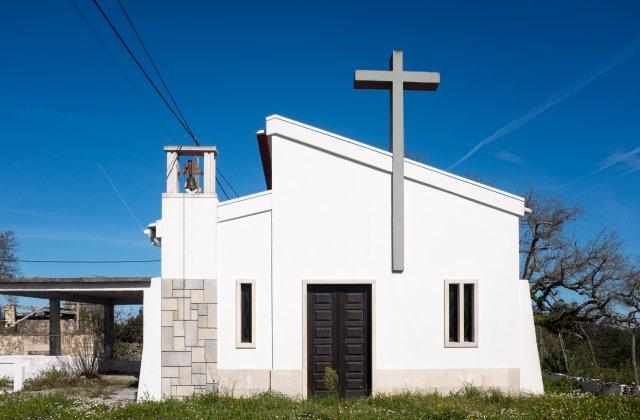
142, 69
119, 67
177, 112
87, 261
155, 67
166, 87
228, 183
222, 188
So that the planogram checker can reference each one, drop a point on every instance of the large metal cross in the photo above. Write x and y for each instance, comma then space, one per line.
397, 80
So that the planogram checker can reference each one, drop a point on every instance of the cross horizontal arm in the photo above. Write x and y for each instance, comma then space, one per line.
382, 79
373, 79
420, 80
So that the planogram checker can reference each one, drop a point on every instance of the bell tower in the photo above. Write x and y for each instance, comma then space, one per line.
188, 238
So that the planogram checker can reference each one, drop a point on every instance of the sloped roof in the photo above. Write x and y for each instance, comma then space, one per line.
381, 159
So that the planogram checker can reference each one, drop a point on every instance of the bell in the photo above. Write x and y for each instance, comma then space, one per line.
192, 184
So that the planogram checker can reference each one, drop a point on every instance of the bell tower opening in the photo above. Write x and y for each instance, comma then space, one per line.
191, 169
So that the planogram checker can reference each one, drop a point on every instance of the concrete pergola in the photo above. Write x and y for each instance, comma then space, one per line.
106, 291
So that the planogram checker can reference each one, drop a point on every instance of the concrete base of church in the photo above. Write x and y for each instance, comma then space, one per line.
445, 380
243, 382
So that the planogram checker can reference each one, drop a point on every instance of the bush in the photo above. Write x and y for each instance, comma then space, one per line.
6, 382
51, 379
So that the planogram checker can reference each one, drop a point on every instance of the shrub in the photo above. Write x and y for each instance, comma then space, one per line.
331, 381
50, 379
6, 382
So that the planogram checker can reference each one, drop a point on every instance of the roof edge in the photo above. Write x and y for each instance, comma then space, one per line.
384, 155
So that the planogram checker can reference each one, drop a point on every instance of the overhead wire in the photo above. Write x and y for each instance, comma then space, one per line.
228, 183
143, 70
87, 261
121, 69
155, 67
177, 112
222, 188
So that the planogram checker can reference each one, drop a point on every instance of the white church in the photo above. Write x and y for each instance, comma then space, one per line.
398, 275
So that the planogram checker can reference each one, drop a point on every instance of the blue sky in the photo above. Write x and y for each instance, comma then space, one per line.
566, 72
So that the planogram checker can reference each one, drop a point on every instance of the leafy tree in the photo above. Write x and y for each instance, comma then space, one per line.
128, 329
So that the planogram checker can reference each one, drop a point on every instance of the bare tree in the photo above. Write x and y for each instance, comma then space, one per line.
9, 266
572, 282
560, 269
627, 313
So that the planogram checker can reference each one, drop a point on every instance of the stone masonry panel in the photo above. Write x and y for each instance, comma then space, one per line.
189, 336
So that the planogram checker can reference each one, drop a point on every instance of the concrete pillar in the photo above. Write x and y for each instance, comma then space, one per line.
109, 333
55, 347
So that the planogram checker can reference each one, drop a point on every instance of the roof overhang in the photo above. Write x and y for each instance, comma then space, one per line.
116, 290
264, 145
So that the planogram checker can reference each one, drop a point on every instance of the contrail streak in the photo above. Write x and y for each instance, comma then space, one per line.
616, 158
120, 196
630, 159
558, 97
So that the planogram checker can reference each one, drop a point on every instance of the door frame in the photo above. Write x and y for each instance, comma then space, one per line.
305, 355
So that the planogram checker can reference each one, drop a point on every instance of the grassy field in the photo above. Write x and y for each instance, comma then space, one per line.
562, 402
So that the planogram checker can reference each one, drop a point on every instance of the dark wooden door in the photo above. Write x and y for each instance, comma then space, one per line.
339, 336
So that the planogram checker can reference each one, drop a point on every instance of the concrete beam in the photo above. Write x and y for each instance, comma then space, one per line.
117, 297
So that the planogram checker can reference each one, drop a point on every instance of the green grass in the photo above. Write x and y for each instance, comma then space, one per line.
469, 403
73, 385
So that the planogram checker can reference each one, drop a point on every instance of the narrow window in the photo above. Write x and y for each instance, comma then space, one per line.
245, 314
453, 312
461, 313
468, 312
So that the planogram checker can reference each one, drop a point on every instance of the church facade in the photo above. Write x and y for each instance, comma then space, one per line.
265, 291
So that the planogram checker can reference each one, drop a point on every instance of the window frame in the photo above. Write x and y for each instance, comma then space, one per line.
462, 343
239, 343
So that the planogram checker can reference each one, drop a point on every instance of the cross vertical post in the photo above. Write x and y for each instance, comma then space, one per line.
396, 79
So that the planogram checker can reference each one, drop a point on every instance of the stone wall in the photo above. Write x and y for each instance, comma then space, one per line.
41, 326
189, 336
38, 344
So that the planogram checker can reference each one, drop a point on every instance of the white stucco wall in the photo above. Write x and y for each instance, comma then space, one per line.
188, 230
530, 373
150, 380
32, 365
244, 253
331, 221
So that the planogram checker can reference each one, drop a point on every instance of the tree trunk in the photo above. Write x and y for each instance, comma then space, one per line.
543, 349
593, 354
564, 354
633, 357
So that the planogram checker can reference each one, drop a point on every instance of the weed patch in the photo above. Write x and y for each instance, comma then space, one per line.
470, 403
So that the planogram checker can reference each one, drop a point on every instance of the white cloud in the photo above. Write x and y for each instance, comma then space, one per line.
509, 157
